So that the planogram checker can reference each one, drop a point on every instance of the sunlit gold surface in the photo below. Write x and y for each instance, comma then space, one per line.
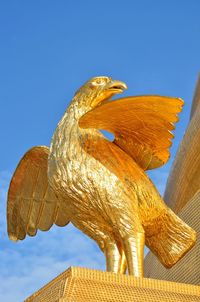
84, 285
187, 270
100, 186
184, 179
182, 194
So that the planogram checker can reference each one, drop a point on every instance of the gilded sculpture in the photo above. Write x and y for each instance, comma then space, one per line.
101, 186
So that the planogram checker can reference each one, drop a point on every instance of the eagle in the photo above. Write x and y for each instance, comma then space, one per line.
99, 185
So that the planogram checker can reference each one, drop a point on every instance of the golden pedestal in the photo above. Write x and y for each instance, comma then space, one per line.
85, 285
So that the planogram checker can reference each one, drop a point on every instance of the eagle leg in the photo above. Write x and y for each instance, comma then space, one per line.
123, 263
134, 251
115, 258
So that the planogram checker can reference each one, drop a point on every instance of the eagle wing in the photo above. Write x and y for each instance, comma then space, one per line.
32, 204
142, 126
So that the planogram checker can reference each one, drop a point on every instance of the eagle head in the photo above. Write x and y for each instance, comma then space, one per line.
97, 90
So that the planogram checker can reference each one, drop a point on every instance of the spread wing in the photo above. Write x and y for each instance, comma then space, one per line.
32, 204
142, 126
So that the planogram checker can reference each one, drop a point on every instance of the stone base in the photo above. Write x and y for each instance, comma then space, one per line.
85, 285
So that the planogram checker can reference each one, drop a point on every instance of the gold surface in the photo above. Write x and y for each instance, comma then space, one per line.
196, 98
101, 186
184, 178
183, 195
32, 203
187, 270
83, 285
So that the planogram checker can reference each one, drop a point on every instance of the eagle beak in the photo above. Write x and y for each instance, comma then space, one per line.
116, 86
108, 92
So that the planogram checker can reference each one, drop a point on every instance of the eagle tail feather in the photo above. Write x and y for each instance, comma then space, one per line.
172, 239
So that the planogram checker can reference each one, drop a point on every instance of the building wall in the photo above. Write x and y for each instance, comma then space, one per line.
196, 98
184, 179
182, 194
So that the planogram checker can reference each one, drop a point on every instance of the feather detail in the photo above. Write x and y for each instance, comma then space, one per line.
142, 126
32, 203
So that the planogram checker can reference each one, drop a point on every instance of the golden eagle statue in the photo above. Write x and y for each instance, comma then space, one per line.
101, 186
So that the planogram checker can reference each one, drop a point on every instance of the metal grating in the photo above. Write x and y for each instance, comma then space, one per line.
81, 285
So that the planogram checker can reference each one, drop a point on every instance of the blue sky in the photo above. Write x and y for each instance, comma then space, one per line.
48, 49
